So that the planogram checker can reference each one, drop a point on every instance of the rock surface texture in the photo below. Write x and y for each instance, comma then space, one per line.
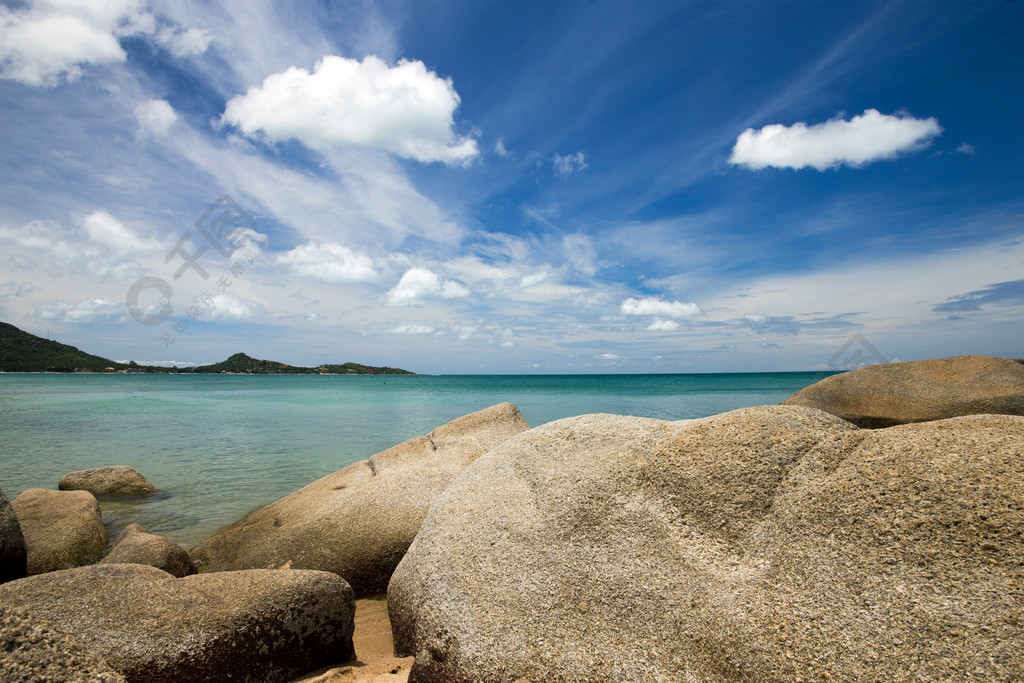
772, 543
898, 393
62, 528
136, 546
106, 481
359, 521
12, 543
258, 625
31, 650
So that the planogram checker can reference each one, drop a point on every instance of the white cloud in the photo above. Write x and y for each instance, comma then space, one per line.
330, 262
570, 163
660, 308
155, 116
500, 149
48, 40
580, 253
965, 148
419, 283
608, 356
412, 328
99, 246
87, 311
227, 307
405, 109
184, 43
464, 332
663, 326
863, 139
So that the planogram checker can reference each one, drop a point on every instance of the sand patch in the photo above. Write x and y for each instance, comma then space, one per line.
375, 653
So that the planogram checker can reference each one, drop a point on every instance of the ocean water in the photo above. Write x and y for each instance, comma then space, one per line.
218, 446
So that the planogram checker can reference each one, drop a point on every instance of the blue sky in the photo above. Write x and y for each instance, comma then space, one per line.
467, 187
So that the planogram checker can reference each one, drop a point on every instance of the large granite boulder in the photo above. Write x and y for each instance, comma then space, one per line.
359, 521
106, 481
773, 543
12, 543
257, 625
31, 650
136, 546
62, 528
918, 391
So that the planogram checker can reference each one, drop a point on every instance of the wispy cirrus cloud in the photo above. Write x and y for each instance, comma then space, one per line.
1000, 293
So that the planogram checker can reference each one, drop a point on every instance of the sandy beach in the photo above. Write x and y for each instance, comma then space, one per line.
376, 661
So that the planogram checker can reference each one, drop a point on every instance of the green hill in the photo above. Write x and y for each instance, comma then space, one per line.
243, 364
24, 352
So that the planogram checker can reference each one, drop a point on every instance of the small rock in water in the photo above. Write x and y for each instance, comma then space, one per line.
105, 481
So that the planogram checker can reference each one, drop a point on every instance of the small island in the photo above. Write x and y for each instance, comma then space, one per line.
21, 351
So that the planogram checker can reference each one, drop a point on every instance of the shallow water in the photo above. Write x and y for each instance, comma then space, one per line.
218, 446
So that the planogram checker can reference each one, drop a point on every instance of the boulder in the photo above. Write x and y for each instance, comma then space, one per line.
62, 528
359, 521
772, 543
31, 650
106, 481
257, 625
135, 546
12, 543
898, 393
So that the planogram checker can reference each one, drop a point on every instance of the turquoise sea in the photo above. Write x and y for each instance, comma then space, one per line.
218, 446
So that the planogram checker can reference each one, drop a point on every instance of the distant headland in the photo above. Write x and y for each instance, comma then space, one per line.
21, 351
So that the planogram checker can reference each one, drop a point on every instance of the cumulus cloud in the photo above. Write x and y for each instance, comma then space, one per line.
87, 311
48, 39
99, 246
110, 233
405, 109
861, 140
330, 262
663, 326
660, 308
419, 283
227, 307
155, 116
965, 148
570, 163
